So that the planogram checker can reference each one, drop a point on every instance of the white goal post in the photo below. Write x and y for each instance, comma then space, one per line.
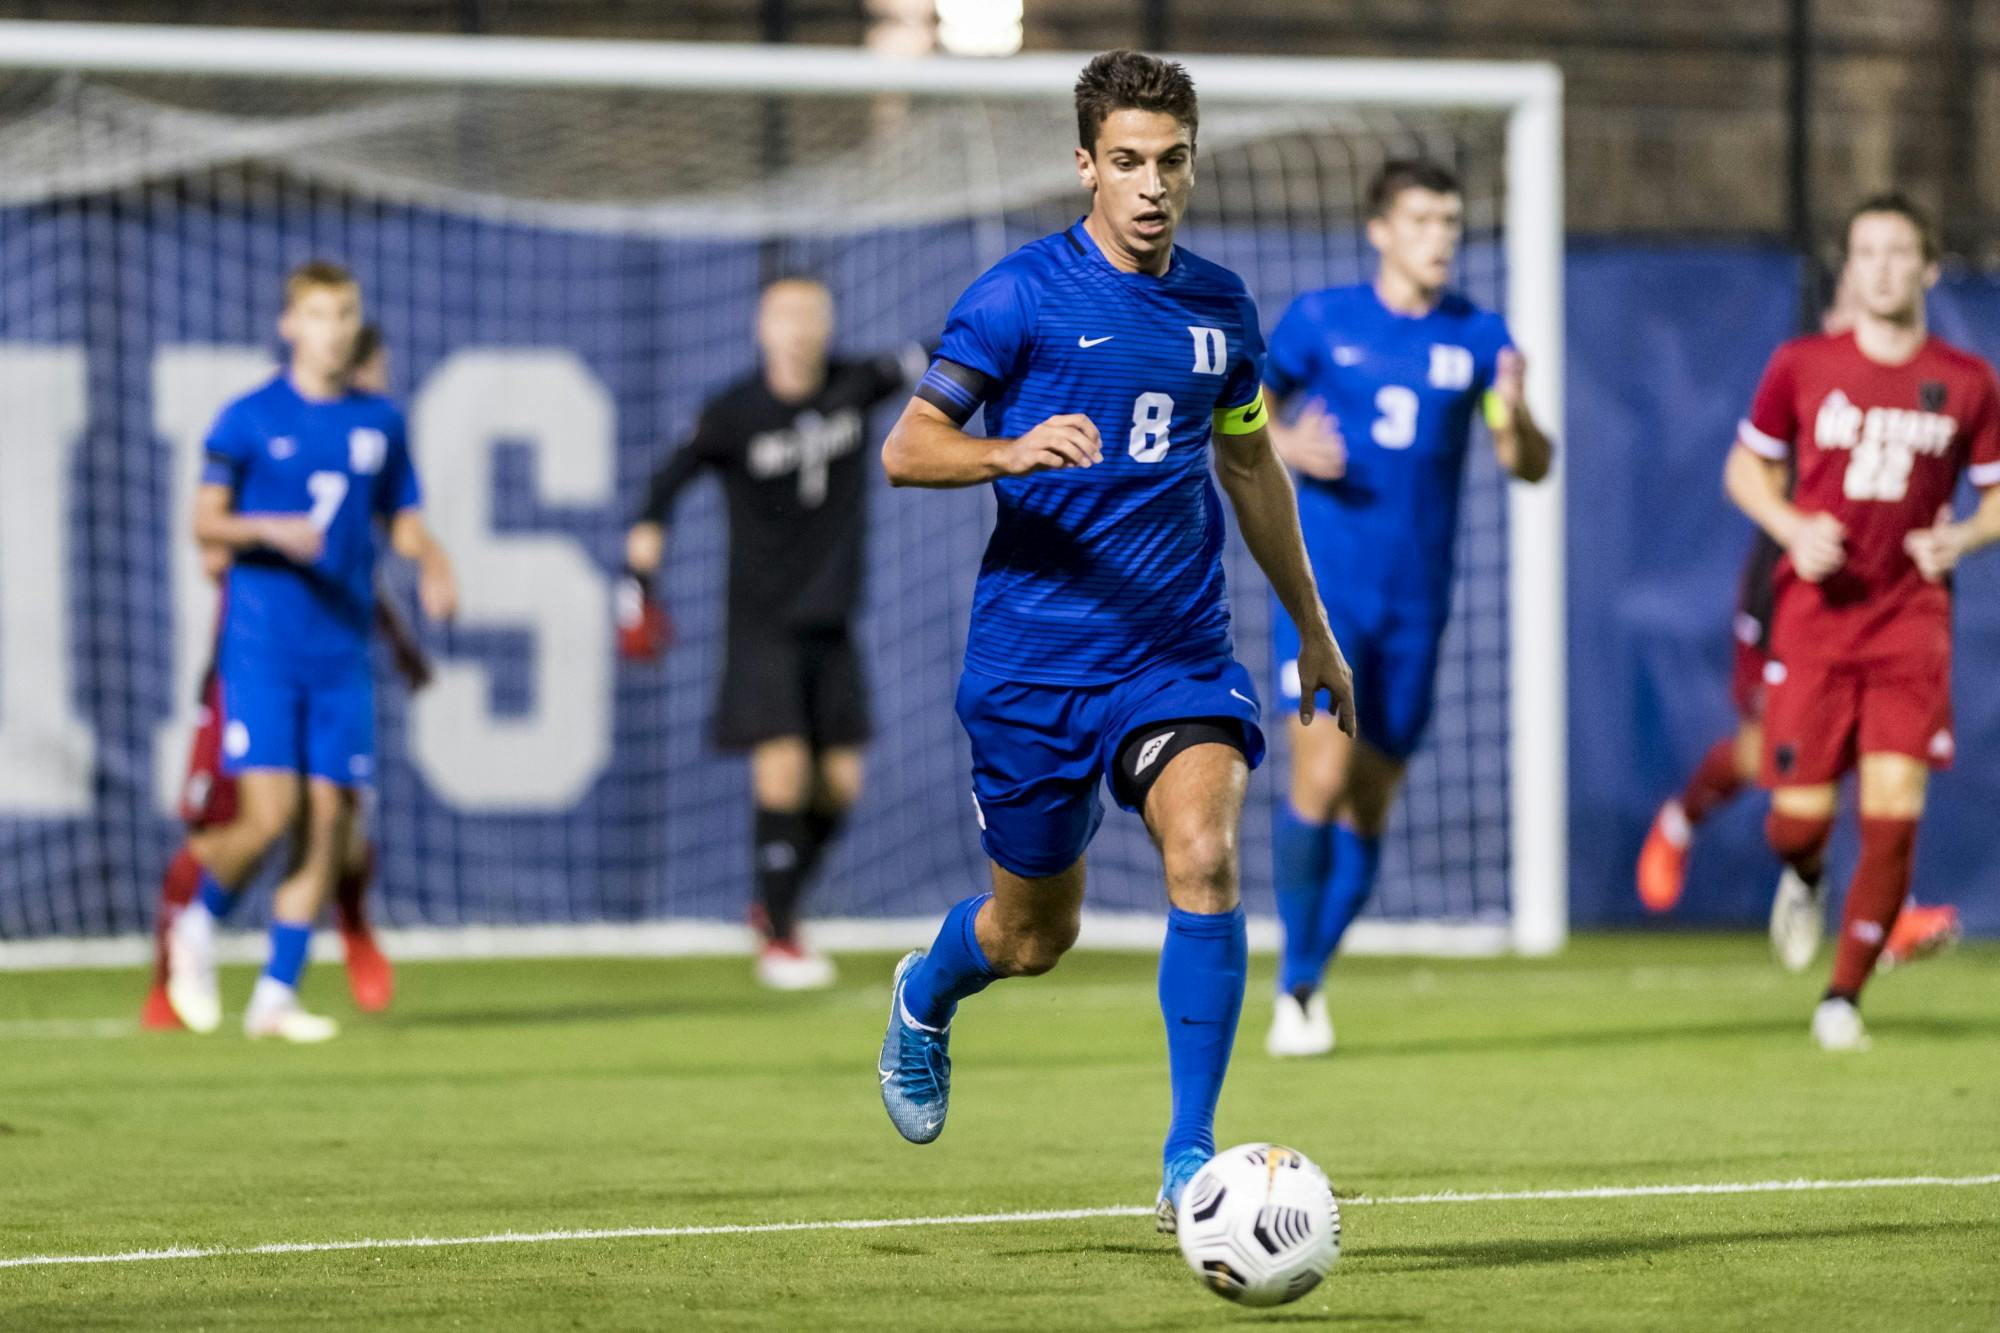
1528, 95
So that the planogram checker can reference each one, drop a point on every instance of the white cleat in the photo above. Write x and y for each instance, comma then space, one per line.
1837, 1026
1798, 921
1299, 1029
275, 1012
788, 966
191, 984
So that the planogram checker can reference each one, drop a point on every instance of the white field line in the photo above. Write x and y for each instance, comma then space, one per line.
974, 1219
65, 1029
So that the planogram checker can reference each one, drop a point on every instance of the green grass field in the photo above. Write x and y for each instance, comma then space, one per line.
539, 1096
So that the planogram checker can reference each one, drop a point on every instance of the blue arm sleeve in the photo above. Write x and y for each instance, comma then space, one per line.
1247, 367
228, 450
1294, 343
400, 489
989, 328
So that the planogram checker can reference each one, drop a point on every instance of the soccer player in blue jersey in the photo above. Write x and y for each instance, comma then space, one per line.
298, 473
1376, 388
1105, 358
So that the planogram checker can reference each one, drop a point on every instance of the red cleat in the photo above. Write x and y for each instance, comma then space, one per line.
1663, 860
369, 976
158, 1015
1920, 932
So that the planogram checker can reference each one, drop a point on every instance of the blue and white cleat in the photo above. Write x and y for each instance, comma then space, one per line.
1166, 1209
915, 1066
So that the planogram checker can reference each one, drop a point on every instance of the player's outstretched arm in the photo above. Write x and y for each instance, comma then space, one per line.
927, 448
1260, 491
1518, 441
216, 524
1756, 485
437, 585
1938, 548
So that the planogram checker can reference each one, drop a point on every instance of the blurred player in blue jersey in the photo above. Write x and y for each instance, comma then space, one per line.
1105, 358
209, 795
1375, 388
298, 473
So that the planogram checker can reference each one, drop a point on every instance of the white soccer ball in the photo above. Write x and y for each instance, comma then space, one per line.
1259, 1225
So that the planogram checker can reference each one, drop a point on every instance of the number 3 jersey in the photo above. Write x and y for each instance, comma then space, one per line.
1093, 574
1403, 390
1880, 448
343, 463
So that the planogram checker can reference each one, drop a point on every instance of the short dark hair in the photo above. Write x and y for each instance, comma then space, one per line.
1131, 81
366, 344
315, 273
1409, 173
1895, 201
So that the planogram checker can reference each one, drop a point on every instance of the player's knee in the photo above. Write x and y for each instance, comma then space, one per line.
1201, 866
839, 785
263, 822
1032, 947
1369, 799
1317, 790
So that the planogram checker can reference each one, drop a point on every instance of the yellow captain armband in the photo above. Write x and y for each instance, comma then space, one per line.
1242, 420
1498, 415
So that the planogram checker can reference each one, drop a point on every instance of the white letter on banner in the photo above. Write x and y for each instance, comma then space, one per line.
551, 402
191, 386
46, 750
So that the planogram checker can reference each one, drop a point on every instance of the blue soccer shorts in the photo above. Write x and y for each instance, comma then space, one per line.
1394, 656
277, 717
1040, 752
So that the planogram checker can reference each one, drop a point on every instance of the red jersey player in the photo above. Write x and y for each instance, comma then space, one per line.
208, 796
1879, 424
1731, 765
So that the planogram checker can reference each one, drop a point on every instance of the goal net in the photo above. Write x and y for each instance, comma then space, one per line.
562, 243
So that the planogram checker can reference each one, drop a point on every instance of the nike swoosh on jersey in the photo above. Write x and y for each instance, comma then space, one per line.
1347, 356
1082, 341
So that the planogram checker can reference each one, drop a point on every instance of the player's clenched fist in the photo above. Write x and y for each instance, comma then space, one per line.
1323, 667
1817, 546
1936, 549
1314, 444
295, 537
1069, 440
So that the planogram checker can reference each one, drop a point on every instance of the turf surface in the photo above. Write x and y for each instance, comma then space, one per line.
603, 1094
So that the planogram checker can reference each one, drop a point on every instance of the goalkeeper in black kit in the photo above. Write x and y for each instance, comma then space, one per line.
787, 443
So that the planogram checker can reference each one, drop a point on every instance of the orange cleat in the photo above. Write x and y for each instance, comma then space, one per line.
1920, 932
1663, 860
159, 1015
369, 976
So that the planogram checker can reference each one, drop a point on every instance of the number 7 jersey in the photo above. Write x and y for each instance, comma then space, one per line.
1093, 574
1881, 448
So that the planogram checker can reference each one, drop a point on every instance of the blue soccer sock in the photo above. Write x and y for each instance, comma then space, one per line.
1302, 855
1202, 970
955, 967
1348, 886
289, 941
218, 900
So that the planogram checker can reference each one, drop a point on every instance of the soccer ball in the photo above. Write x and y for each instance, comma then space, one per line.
1259, 1225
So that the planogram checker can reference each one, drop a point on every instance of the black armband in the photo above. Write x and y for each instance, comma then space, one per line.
955, 390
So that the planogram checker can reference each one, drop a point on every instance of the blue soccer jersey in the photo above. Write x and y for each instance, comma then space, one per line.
1404, 390
344, 462
1093, 574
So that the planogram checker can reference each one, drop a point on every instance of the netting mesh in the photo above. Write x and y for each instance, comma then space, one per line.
562, 277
